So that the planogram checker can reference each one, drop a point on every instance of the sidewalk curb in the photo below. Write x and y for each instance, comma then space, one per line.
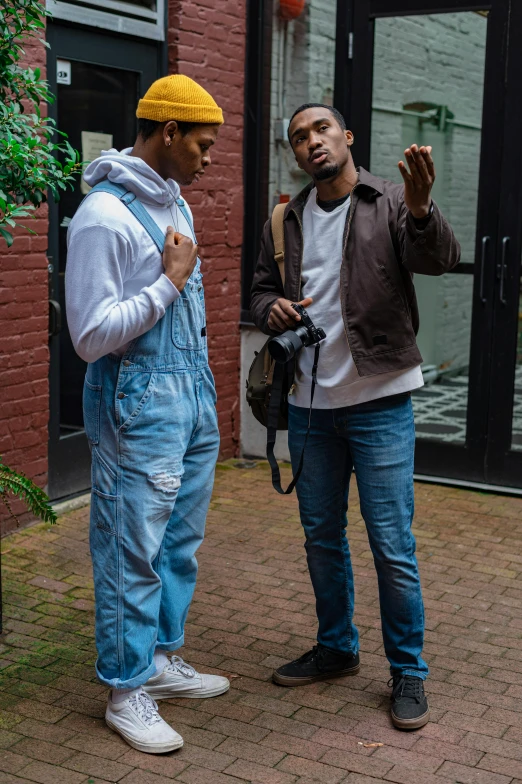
72, 504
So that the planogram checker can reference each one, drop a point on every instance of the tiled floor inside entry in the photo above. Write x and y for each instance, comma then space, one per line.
441, 410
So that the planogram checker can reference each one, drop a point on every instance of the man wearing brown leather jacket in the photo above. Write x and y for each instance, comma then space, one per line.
352, 244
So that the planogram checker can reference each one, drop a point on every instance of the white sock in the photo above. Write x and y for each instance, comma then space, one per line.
160, 660
119, 695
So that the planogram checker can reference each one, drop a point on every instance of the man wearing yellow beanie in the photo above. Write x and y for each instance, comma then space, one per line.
136, 313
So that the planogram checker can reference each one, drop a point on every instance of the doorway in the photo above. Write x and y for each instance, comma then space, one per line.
444, 73
97, 78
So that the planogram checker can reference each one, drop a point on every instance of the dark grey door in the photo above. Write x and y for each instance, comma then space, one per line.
102, 77
504, 449
444, 72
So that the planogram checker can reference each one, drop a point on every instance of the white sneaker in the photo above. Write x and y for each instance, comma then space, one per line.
179, 679
138, 722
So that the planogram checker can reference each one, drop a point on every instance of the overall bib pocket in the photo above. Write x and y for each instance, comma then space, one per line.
188, 315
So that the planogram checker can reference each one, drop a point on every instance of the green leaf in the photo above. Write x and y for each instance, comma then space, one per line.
31, 163
8, 237
20, 486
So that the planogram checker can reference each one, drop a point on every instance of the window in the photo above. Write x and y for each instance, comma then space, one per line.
288, 63
144, 18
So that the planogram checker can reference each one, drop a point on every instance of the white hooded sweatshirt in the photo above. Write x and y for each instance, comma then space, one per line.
115, 289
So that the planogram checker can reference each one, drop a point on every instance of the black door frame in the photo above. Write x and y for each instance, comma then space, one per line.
69, 457
503, 465
256, 153
484, 458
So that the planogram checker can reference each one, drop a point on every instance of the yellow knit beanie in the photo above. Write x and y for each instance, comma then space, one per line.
177, 97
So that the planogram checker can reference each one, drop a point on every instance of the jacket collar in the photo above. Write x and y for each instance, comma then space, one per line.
367, 183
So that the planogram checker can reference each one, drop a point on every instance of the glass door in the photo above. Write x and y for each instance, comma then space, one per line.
504, 452
97, 79
438, 78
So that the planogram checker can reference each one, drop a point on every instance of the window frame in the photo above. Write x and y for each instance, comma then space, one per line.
258, 72
127, 18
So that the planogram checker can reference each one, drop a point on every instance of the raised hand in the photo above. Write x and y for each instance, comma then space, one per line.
179, 257
418, 181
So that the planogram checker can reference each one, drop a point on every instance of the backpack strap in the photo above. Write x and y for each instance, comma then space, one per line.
278, 235
271, 427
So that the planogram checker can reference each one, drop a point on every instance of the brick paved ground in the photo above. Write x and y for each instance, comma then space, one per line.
253, 609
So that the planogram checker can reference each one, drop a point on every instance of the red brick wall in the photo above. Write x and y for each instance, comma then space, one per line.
24, 355
206, 41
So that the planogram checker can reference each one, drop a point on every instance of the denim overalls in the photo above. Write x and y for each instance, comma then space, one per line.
151, 421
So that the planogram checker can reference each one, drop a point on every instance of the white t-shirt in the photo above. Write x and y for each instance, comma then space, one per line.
338, 382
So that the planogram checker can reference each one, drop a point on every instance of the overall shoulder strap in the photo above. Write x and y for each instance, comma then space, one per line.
183, 209
132, 202
278, 235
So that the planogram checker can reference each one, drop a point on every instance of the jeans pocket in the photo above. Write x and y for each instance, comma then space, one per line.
104, 494
137, 389
92, 396
188, 319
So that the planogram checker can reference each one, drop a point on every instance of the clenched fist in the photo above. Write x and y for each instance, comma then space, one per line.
179, 257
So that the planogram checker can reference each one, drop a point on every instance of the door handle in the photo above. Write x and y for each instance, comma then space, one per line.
55, 318
501, 269
485, 245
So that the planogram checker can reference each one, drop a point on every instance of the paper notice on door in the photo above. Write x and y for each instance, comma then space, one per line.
92, 146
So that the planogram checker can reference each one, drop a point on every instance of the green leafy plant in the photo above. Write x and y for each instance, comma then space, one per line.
31, 165
20, 486
29, 162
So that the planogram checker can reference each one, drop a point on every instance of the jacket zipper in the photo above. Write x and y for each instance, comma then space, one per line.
345, 243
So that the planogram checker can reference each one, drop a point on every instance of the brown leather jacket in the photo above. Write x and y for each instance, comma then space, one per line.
383, 248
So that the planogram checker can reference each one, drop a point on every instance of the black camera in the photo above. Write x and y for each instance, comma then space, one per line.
284, 347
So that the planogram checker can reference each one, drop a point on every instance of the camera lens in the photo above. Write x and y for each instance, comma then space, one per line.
284, 347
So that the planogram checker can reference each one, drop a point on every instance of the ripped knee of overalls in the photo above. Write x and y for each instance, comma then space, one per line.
167, 482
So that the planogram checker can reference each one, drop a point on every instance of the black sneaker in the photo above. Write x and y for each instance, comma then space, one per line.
318, 664
409, 706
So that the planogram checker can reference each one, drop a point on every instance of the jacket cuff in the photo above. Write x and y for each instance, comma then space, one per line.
430, 235
421, 223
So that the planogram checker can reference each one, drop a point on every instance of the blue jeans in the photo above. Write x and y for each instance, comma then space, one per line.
151, 421
377, 441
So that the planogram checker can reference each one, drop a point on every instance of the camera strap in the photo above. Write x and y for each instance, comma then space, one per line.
273, 417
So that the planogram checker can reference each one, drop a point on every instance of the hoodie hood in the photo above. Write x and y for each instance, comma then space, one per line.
134, 174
